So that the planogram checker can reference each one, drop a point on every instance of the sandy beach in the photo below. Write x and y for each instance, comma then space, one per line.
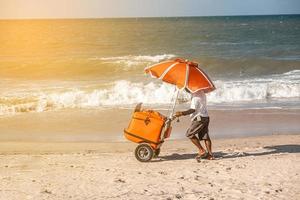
264, 167
69, 85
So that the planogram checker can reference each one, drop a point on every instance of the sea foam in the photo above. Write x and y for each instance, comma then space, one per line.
125, 93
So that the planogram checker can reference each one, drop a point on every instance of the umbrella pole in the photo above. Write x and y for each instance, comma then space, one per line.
174, 104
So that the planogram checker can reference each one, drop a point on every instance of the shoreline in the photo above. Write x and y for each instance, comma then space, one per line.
108, 125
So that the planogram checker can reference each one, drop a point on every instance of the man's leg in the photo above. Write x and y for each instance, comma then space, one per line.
196, 142
208, 146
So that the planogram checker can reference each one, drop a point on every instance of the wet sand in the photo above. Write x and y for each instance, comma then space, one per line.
85, 125
265, 167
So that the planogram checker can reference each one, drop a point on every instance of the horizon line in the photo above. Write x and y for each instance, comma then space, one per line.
146, 17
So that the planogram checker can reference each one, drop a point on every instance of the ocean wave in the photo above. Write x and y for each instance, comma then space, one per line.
120, 93
131, 61
253, 90
125, 93
293, 73
231, 43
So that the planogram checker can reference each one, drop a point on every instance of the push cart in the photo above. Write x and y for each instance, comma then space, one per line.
149, 129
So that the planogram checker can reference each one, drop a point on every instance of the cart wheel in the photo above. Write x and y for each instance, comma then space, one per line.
156, 152
143, 153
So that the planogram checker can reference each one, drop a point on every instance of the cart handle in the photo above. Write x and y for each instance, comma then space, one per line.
169, 120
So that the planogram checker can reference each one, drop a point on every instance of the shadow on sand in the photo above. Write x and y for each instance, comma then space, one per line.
277, 149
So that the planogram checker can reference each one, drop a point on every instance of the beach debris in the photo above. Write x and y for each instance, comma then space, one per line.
178, 196
279, 190
228, 168
267, 184
163, 173
47, 191
163, 192
169, 198
119, 180
240, 166
197, 178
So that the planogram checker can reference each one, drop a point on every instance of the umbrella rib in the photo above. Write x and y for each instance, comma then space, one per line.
167, 70
186, 76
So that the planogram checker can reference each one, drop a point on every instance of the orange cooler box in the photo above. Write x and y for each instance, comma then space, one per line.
146, 126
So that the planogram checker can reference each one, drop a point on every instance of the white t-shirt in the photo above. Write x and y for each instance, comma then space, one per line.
199, 104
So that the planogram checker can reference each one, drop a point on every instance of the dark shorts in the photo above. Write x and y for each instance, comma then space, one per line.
199, 128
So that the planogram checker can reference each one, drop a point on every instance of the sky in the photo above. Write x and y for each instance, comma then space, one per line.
20, 9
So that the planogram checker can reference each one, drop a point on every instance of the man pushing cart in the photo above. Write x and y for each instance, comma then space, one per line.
149, 128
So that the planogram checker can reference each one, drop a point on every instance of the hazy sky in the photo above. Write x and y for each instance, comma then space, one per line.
142, 8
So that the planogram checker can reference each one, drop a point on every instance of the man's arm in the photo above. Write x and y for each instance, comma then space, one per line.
183, 113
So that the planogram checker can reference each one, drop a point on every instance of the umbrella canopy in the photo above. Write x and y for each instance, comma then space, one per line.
182, 73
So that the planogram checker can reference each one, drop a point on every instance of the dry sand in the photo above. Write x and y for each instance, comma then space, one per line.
266, 167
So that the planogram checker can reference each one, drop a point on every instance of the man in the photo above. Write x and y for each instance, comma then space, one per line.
199, 125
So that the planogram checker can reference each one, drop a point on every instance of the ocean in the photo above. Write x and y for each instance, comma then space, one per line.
94, 63
87, 65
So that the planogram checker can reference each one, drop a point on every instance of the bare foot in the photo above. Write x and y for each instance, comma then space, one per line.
202, 152
201, 155
210, 157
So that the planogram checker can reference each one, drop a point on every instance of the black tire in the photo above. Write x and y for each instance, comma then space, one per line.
143, 152
156, 152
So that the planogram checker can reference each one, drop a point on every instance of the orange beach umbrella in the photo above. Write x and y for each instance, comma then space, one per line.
182, 73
